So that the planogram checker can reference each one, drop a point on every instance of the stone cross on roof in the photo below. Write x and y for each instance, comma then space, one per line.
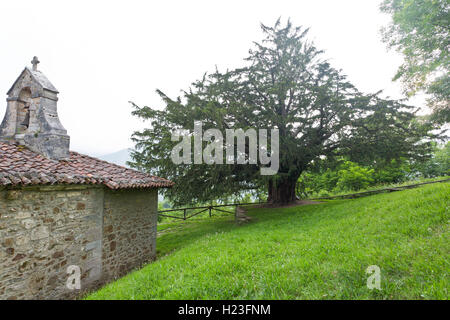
31, 117
35, 62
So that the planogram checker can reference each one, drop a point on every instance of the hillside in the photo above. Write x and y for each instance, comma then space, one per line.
120, 157
318, 251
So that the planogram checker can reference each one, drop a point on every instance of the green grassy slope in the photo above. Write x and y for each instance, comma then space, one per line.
306, 252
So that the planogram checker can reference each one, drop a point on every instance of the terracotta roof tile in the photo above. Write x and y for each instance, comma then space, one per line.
20, 166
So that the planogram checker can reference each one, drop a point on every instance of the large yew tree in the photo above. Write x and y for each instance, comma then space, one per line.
284, 84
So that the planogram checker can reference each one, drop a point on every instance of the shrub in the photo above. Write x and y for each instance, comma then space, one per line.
353, 177
394, 171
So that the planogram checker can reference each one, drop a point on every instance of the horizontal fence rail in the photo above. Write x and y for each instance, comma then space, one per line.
371, 192
218, 207
163, 213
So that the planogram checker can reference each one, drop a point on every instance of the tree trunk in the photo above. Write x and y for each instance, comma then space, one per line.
269, 194
282, 191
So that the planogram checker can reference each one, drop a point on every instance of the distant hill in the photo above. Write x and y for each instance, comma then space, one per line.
120, 157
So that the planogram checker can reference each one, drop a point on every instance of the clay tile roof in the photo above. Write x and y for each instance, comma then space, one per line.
20, 166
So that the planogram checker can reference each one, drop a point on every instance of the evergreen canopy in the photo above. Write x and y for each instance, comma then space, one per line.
284, 84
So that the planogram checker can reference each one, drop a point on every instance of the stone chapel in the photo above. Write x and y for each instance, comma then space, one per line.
61, 211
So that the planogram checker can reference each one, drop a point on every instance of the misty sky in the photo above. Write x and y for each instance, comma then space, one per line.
101, 54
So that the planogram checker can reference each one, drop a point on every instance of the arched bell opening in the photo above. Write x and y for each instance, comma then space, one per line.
23, 110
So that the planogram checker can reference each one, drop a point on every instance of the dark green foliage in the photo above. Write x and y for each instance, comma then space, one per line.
285, 84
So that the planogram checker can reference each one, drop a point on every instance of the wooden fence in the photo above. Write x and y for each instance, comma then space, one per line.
372, 192
219, 207
210, 208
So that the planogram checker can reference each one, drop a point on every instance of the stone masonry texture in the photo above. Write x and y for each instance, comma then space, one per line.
46, 229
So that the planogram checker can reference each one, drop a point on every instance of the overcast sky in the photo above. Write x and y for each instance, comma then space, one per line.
101, 54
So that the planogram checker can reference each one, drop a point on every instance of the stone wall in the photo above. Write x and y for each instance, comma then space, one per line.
129, 230
43, 230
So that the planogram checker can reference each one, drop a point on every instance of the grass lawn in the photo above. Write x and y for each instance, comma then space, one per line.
316, 251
